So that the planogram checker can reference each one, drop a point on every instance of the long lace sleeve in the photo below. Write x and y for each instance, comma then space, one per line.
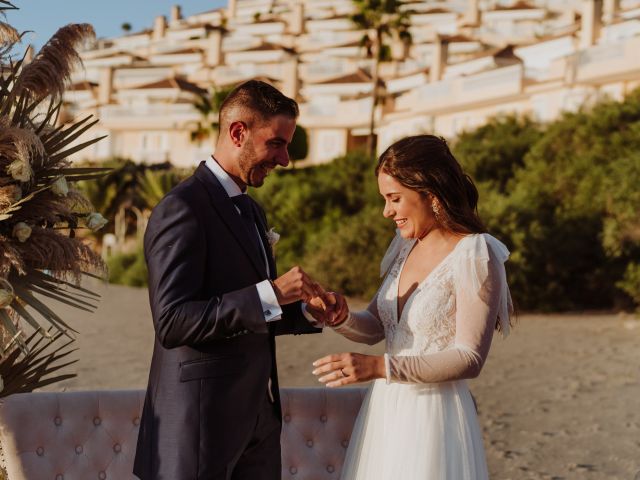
364, 326
482, 296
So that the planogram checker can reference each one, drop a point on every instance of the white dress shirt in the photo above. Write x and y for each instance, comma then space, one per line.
270, 306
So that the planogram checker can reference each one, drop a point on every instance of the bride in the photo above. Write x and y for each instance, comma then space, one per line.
443, 294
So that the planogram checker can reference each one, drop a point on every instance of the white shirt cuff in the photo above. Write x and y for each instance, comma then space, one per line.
270, 306
312, 321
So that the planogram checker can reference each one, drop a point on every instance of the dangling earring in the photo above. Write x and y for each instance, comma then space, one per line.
435, 206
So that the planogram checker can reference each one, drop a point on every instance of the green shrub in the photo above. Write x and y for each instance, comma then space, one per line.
568, 208
347, 258
299, 146
128, 269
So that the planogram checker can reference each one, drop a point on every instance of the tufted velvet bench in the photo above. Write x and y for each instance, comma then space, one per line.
92, 435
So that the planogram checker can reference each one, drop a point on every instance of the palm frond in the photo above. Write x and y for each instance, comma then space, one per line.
34, 370
47, 75
41, 260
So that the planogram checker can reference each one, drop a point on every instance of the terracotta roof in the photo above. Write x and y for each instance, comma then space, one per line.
205, 25
359, 76
506, 53
174, 83
115, 54
82, 86
332, 17
180, 51
457, 38
272, 81
267, 46
209, 11
570, 32
355, 43
521, 5
501, 53
435, 10
146, 31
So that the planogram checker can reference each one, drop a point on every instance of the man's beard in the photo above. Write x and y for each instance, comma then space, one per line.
248, 167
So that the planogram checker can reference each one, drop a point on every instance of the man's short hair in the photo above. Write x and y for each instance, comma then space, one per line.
258, 101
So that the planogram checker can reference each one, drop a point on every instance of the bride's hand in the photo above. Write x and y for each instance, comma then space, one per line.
344, 368
331, 308
340, 310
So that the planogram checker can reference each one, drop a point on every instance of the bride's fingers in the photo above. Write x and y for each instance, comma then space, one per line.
328, 367
341, 381
333, 376
336, 357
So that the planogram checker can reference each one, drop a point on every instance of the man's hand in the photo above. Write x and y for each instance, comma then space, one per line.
296, 285
345, 368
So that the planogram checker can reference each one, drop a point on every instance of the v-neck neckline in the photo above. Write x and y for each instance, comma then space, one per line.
423, 281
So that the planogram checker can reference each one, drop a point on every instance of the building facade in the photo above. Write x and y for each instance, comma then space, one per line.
468, 60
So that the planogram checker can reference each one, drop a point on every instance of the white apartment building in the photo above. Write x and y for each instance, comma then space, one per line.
468, 60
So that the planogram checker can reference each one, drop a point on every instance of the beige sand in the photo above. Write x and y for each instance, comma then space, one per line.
559, 399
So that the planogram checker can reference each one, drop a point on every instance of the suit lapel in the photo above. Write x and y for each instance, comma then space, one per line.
229, 215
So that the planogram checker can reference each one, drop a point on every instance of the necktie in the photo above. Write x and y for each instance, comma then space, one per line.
247, 212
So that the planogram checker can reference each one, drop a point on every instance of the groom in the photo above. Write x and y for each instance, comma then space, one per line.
212, 409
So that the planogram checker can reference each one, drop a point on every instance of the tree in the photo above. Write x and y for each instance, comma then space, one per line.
492, 153
209, 107
299, 146
382, 20
126, 27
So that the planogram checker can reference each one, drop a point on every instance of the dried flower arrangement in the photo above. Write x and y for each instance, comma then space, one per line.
41, 259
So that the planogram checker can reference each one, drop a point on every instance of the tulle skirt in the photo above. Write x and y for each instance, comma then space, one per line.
416, 432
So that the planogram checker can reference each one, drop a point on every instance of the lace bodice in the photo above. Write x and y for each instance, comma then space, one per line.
447, 323
427, 324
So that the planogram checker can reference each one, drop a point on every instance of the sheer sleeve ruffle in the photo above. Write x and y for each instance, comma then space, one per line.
482, 297
480, 256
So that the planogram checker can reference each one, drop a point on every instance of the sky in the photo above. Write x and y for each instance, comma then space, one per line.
44, 17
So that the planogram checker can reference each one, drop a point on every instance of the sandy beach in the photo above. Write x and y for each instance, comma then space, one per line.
557, 400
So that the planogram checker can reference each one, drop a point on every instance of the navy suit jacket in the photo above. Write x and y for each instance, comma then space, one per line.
214, 353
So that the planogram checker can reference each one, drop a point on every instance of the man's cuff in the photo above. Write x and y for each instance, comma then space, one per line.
270, 306
310, 318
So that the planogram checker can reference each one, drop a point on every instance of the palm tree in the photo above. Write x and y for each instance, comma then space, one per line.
382, 20
209, 106
41, 260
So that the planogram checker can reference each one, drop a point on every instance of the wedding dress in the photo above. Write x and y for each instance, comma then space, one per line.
421, 422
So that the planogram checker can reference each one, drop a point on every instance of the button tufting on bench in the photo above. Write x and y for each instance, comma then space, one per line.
58, 426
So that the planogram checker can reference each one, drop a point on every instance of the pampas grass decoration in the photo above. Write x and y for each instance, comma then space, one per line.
41, 260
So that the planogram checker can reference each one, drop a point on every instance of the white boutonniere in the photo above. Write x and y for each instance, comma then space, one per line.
273, 237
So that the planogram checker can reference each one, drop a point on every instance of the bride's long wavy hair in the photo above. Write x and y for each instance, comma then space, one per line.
425, 164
